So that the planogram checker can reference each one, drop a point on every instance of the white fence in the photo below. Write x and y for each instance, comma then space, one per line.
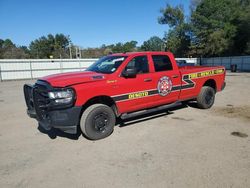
15, 69
34, 68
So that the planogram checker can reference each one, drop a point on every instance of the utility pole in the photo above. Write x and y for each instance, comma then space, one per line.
70, 53
80, 53
76, 53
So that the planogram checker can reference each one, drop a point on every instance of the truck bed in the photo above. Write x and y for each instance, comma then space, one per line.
200, 75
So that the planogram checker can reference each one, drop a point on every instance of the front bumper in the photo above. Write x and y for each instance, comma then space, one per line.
66, 119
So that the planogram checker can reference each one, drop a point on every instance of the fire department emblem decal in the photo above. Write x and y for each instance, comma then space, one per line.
164, 86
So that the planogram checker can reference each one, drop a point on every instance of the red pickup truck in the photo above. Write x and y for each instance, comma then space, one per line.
118, 85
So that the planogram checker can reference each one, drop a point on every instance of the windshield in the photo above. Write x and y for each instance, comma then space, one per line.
107, 64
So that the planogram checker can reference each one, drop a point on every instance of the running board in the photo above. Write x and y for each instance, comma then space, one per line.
151, 110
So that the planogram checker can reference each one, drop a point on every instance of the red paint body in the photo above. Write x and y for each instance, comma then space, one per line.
114, 84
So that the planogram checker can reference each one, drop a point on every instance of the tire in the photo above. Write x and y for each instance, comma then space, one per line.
97, 121
206, 97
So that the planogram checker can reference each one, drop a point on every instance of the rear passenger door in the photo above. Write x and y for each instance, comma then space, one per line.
166, 79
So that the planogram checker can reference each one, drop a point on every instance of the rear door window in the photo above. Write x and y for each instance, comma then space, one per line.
162, 63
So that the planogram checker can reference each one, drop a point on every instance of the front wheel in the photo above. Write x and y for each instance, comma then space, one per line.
97, 121
206, 97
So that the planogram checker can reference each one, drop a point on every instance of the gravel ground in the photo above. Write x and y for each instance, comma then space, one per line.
186, 147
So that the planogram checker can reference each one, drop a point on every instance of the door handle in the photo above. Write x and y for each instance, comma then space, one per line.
147, 79
175, 76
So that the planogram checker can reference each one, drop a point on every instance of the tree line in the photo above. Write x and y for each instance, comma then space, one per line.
213, 28
60, 46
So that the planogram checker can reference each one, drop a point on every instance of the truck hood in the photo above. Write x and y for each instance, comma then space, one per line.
72, 78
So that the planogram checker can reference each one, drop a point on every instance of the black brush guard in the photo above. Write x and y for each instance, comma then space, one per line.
39, 107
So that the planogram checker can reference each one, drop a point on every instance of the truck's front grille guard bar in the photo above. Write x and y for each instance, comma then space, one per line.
41, 100
28, 94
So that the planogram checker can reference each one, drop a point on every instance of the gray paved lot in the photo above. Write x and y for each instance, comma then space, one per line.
186, 148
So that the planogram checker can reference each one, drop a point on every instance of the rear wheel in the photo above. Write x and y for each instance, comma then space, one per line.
97, 121
206, 97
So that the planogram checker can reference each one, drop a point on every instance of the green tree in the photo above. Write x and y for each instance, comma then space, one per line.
15, 53
129, 46
107, 49
41, 48
93, 52
212, 28
242, 38
1, 48
172, 16
221, 27
56, 46
8, 50
8, 44
123, 47
178, 37
61, 43
153, 44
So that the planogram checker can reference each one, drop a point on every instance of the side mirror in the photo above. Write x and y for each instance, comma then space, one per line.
129, 73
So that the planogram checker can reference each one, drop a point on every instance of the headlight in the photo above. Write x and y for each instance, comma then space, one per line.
62, 97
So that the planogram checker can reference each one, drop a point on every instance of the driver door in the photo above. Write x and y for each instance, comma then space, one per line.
134, 92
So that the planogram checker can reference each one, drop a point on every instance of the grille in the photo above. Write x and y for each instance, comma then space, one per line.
41, 100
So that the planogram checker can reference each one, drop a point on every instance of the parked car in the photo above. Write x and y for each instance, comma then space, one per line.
182, 63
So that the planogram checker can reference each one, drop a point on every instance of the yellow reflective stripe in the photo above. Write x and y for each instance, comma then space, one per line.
205, 73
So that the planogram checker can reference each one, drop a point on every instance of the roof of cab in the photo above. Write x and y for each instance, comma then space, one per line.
139, 53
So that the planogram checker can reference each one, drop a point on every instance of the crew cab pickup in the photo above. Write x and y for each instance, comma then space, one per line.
118, 85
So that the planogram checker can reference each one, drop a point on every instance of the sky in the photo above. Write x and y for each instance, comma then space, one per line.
89, 23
